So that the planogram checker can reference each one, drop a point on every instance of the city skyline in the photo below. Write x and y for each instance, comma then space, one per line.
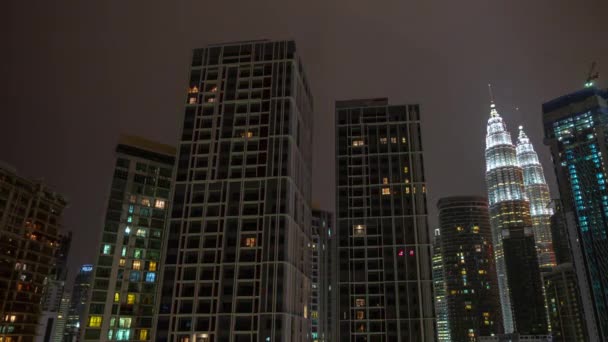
521, 79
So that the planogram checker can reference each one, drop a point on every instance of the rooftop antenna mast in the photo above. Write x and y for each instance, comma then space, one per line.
492, 105
591, 76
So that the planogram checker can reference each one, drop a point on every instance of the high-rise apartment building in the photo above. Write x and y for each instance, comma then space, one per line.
473, 302
440, 288
51, 318
322, 277
384, 247
123, 299
564, 305
237, 255
576, 130
537, 192
78, 301
523, 307
30, 221
562, 290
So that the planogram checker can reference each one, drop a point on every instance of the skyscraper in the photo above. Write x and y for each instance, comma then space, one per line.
473, 302
523, 307
78, 301
322, 276
576, 126
51, 318
537, 192
440, 288
384, 248
122, 299
30, 221
237, 255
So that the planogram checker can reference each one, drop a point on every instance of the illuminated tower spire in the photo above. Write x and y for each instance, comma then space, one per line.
516, 262
537, 191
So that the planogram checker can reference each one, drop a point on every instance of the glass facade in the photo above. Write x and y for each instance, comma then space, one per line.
322, 277
78, 302
238, 251
440, 288
469, 272
122, 299
576, 129
523, 307
384, 247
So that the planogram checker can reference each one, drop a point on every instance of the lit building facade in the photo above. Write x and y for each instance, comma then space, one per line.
471, 286
576, 127
238, 250
537, 192
384, 248
523, 307
52, 320
439, 286
122, 300
78, 301
322, 276
564, 305
30, 221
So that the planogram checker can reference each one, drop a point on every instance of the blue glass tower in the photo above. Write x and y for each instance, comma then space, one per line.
576, 129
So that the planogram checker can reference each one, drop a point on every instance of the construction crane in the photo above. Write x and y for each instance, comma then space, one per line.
593, 75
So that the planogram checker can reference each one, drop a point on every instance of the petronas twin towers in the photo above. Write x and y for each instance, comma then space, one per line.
520, 218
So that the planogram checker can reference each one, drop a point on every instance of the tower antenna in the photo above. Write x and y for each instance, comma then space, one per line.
491, 95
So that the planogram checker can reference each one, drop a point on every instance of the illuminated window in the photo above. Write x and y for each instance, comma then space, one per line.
407, 181
249, 242
482, 271
453, 292
385, 180
95, 321
141, 232
110, 334
459, 228
11, 318
133, 198
124, 251
357, 143
361, 328
159, 204
476, 229
386, 191
406, 169
134, 276
131, 298
136, 265
407, 189
359, 302
124, 322
116, 297
145, 201
150, 277
123, 334
193, 90
131, 208
314, 314
393, 140
468, 306
143, 334
403, 141
214, 89
127, 230
137, 254
359, 230
360, 314
383, 140
192, 100
129, 219
152, 266
107, 249
211, 100
247, 134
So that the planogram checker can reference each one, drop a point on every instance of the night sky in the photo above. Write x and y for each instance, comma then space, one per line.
74, 75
